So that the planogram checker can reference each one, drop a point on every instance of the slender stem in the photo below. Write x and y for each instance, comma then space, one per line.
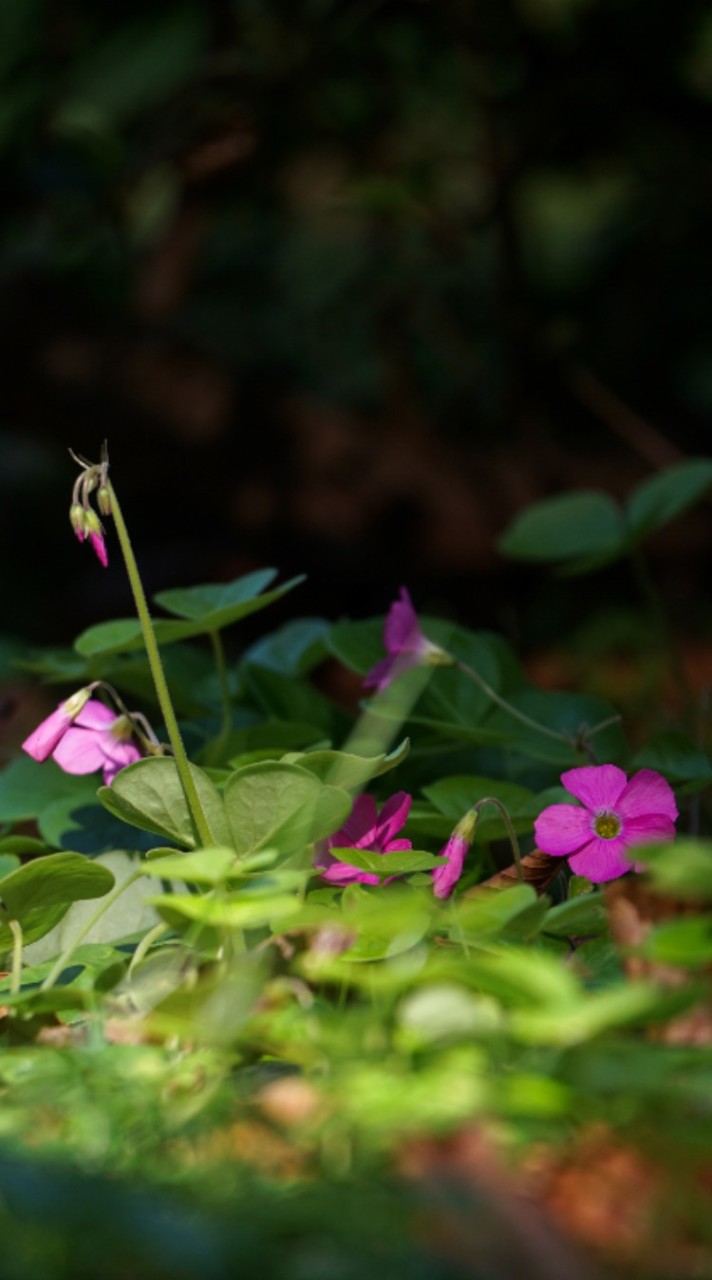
200, 822
146, 943
225, 696
63, 960
506, 706
504, 815
17, 944
106, 902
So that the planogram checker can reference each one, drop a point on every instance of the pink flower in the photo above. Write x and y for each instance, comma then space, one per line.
43, 740
98, 739
445, 878
617, 814
405, 643
365, 828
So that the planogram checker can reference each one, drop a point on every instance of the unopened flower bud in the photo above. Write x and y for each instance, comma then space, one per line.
42, 742
76, 518
92, 523
103, 501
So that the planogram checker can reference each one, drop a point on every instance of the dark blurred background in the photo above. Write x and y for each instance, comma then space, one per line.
346, 284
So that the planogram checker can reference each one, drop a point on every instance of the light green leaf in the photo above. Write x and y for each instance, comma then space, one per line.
399, 863
343, 769
39, 893
231, 912
207, 866
494, 911
149, 795
281, 805
679, 870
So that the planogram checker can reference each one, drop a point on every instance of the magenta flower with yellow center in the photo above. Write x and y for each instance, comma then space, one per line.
614, 815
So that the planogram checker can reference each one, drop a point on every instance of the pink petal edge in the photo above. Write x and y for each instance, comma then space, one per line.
598, 786
648, 793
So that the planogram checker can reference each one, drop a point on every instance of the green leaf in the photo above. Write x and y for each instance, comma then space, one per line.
679, 870
135, 67
343, 769
285, 698
686, 942
399, 863
275, 804
568, 713
564, 528
454, 796
22, 844
149, 795
124, 635
293, 650
229, 912
26, 788
207, 866
200, 602
677, 757
666, 495
39, 893
578, 917
8, 863
491, 912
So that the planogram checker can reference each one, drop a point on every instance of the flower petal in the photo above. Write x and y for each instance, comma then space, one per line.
562, 829
80, 751
118, 760
341, 873
445, 878
647, 793
649, 827
402, 628
392, 817
598, 786
601, 860
42, 742
96, 715
359, 828
380, 676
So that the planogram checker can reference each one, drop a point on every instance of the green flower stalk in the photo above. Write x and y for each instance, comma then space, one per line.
97, 477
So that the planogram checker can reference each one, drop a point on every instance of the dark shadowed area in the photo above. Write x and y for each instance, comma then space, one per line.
347, 284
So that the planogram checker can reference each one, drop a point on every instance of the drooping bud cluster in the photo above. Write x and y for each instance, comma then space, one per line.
82, 516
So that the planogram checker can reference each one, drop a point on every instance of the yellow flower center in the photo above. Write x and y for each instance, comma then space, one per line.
607, 825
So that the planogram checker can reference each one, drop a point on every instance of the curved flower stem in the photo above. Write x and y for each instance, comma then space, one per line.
17, 945
200, 822
108, 901
504, 815
506, 706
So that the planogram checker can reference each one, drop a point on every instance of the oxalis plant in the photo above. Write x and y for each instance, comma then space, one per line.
426, 913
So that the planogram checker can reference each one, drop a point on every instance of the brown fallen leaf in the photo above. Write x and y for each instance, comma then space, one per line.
538, 870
